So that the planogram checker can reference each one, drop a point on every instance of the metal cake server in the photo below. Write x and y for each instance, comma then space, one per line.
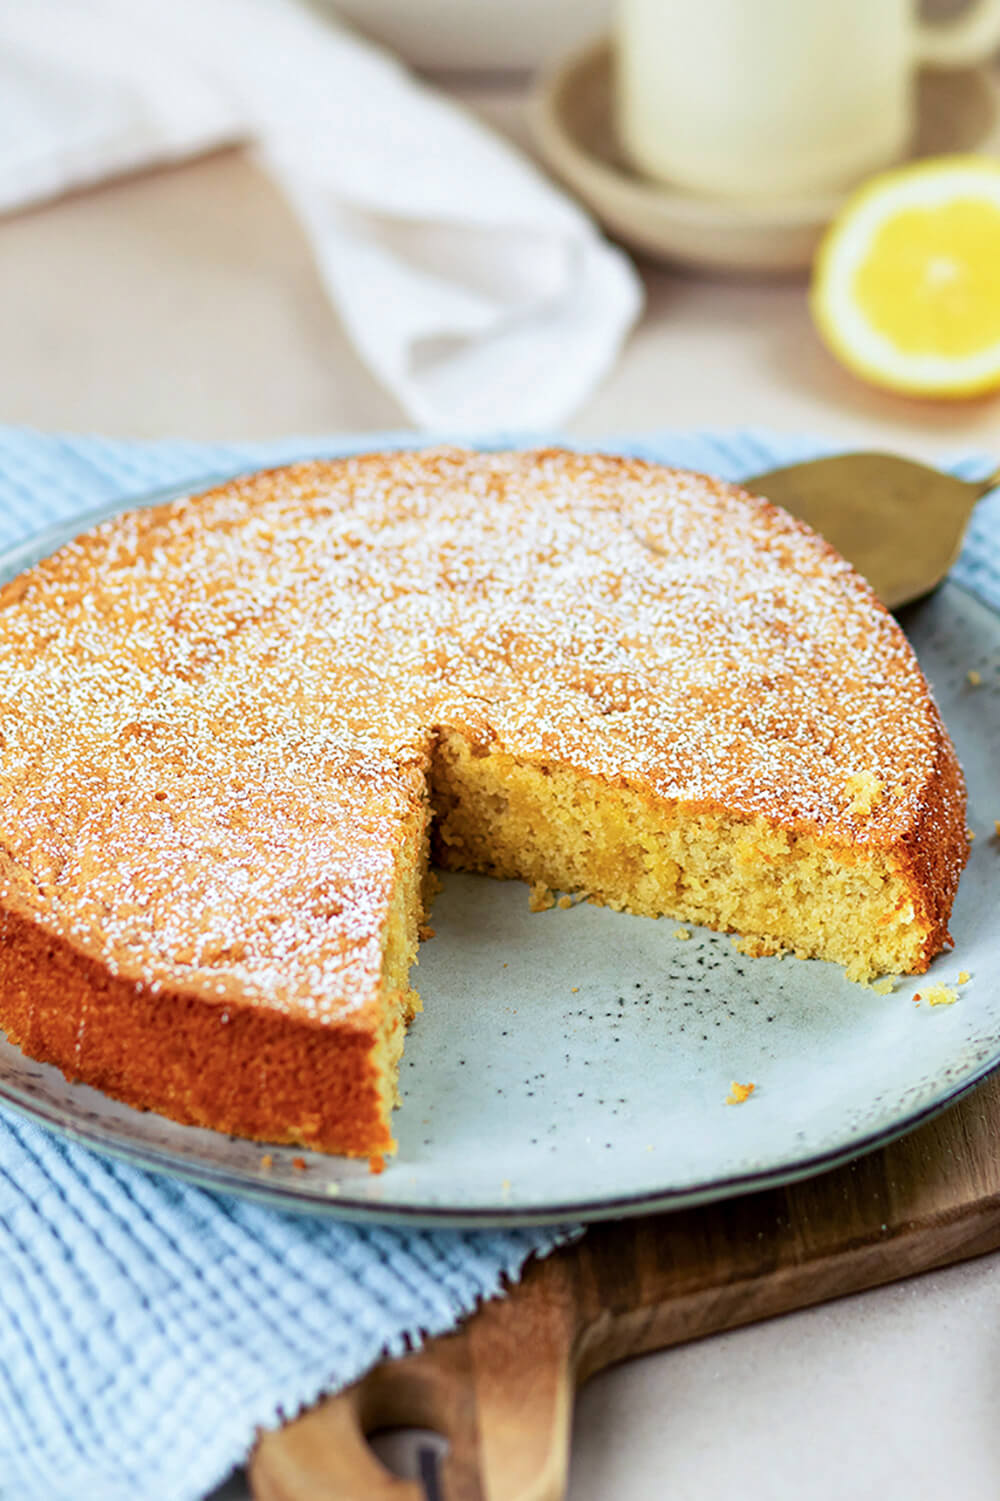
899, 523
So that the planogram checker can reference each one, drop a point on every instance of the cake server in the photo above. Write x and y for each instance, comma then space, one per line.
898, 522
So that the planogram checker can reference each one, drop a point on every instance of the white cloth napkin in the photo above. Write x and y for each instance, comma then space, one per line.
477, 292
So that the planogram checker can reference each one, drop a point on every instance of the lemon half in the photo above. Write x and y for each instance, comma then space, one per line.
906, 284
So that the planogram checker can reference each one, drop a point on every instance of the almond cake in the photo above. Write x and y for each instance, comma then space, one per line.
234, 729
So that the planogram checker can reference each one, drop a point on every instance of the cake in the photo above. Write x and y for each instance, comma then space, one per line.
234, 729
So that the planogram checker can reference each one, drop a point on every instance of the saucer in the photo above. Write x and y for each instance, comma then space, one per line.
958, 111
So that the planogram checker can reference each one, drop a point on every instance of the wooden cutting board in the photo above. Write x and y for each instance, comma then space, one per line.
502, 1387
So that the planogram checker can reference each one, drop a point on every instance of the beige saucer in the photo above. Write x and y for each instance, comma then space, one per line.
958, 110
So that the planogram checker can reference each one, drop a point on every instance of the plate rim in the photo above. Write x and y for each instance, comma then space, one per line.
342, 1205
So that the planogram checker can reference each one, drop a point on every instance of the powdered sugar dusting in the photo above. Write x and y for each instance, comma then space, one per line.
216, 716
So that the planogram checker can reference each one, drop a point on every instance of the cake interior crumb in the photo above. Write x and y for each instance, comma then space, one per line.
864, 789
504, 816
540, 897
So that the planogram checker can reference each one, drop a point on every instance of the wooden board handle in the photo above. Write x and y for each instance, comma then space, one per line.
500, 1390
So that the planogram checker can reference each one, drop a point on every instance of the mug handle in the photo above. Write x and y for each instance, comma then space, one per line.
967, 38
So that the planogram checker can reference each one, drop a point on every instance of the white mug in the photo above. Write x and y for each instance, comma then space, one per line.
767, 98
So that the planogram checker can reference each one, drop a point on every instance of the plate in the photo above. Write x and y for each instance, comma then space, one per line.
957, 110
574, 1065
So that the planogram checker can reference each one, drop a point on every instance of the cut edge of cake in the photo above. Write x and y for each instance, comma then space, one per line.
872, 909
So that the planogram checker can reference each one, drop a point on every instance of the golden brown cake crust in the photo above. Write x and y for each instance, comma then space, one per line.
255, 1074
217, 716
935, 846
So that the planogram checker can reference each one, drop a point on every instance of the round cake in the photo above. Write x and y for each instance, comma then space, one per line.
235, 729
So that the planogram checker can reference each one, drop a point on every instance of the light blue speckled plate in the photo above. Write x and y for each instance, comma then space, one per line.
571, 1065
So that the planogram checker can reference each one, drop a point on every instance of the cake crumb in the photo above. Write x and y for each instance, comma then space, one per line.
574, 989
964, 977
970, 835
565, 902
682, 933
941, 995
864, 789
267, 1160
540, 897
884, 986
299, 1164
738, 1093
974, 677
761, 947
424, 932
376, 1164
333, 1189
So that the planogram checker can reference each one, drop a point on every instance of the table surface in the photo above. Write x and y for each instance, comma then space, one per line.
184, 302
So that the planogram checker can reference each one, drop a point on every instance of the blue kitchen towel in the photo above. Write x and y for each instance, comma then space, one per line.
147, 1327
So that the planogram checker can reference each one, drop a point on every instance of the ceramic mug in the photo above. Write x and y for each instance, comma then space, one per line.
767, 98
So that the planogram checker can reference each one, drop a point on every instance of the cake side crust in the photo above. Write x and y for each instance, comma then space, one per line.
243, 1070
934, 850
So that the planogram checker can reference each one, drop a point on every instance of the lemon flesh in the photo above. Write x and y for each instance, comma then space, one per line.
906, 288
